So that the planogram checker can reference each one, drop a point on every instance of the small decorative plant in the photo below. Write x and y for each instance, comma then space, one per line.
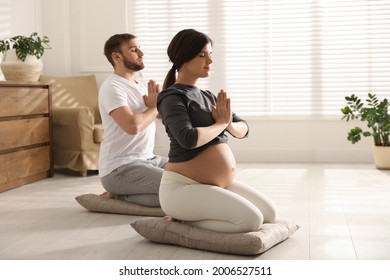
375, 113
23, 45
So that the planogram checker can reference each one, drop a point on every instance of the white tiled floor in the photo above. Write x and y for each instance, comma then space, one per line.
343, 212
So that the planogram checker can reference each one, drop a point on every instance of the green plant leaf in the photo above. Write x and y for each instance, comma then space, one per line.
23, 45
375, 114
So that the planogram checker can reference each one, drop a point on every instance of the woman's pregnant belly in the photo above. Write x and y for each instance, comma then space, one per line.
214, 166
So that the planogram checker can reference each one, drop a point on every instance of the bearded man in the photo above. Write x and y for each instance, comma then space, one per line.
128, 168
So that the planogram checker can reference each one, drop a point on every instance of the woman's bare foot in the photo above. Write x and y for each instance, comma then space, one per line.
108, 195
170, 219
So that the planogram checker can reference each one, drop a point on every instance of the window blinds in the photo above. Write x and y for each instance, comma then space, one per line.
277, 58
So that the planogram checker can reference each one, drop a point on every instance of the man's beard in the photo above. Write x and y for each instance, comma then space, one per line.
133, 66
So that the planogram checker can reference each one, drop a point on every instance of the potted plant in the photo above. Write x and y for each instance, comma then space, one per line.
376, 115
22, 57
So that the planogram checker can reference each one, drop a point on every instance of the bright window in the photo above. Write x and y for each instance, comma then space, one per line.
277, 58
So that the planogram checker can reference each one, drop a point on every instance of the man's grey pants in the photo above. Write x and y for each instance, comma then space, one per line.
137, 182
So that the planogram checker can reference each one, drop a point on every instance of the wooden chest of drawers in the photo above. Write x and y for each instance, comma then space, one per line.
25, 134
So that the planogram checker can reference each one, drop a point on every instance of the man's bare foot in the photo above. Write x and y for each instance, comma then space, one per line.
108, 195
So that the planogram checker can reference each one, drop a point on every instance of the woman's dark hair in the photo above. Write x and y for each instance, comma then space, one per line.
113, 44
186, 45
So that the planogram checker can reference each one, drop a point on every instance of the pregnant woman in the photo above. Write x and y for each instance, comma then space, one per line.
198, 185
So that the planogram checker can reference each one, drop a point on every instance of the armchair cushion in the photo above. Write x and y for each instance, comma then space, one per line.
74, 91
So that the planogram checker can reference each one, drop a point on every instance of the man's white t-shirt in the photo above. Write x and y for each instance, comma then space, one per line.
119, 147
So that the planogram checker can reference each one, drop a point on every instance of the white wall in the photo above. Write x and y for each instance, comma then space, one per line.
78, 29
25, 16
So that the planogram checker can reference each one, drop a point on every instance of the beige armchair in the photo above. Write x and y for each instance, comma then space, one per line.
77, 125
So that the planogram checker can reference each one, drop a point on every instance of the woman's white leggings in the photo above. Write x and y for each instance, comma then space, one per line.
238, 208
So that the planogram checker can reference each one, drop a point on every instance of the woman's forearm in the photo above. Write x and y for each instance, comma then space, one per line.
238, 129
206, 134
